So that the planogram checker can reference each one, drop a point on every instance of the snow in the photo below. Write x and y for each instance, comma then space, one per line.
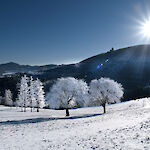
124, 126
67, 93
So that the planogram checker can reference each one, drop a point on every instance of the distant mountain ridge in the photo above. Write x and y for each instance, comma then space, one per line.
12, 67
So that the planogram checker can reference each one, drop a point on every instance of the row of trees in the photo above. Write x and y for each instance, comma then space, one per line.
66, 93
31, 94
69, 92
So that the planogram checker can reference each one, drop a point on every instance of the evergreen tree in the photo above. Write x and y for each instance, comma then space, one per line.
24, 93
32, 95
39, 94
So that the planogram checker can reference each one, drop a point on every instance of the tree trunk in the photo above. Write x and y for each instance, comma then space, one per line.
31, 106
24, 109
21, 109
67, 112
104, 107
37, 109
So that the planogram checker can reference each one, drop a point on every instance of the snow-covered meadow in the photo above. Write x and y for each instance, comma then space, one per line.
125, 126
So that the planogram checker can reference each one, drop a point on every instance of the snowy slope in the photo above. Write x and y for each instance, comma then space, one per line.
125, 126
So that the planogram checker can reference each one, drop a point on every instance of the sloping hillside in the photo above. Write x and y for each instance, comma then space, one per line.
132, 63
124, 126
130, 66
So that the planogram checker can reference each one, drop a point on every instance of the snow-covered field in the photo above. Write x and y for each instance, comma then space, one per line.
125, 126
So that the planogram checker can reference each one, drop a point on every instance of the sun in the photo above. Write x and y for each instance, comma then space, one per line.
146, 29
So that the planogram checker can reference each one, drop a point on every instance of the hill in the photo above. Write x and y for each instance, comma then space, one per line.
129, 66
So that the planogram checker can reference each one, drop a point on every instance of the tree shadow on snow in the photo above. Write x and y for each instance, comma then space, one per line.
36, 120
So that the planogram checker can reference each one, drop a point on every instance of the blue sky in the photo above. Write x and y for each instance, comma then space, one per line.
38, 32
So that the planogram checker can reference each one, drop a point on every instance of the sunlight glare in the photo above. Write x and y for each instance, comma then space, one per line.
146, 29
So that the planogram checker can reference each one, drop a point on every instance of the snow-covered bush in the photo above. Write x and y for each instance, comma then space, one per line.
104, 91
146, 102
67, 93
8, 98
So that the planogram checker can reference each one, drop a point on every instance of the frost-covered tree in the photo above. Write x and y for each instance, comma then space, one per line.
39, 94
32, 94
104, 91
67, 93
19, 103
8, 98
81, 95
23, 97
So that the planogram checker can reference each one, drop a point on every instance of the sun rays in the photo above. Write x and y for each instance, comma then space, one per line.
146, 29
